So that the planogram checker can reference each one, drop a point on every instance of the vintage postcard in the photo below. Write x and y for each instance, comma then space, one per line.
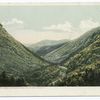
50, 49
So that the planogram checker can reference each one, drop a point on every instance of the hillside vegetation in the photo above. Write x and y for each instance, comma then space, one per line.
18, 61
71, 63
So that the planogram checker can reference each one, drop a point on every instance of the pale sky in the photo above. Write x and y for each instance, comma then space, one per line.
31, 24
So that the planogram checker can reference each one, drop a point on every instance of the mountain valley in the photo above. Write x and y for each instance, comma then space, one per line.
50, 63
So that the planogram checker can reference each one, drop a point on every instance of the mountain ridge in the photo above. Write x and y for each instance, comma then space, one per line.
69, 48
78, 62
19, 65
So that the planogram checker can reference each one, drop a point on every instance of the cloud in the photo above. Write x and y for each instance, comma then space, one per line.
53, 32
13, 21
68, 31
88, 24
66, 27
84, 25
13, 24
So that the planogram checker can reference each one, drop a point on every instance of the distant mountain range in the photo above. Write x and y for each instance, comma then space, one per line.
44, 47
50, 63
81, 57
60, 52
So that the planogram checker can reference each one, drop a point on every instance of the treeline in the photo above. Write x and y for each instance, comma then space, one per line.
10, 80
84, 76
89, 76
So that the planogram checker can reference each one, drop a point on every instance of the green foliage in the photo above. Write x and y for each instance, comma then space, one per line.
20, 82
77, 63
86, 76
10, 80
83, 68
16, 59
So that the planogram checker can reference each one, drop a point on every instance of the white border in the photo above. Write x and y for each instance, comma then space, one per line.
21, 1
48, 91
49, 3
